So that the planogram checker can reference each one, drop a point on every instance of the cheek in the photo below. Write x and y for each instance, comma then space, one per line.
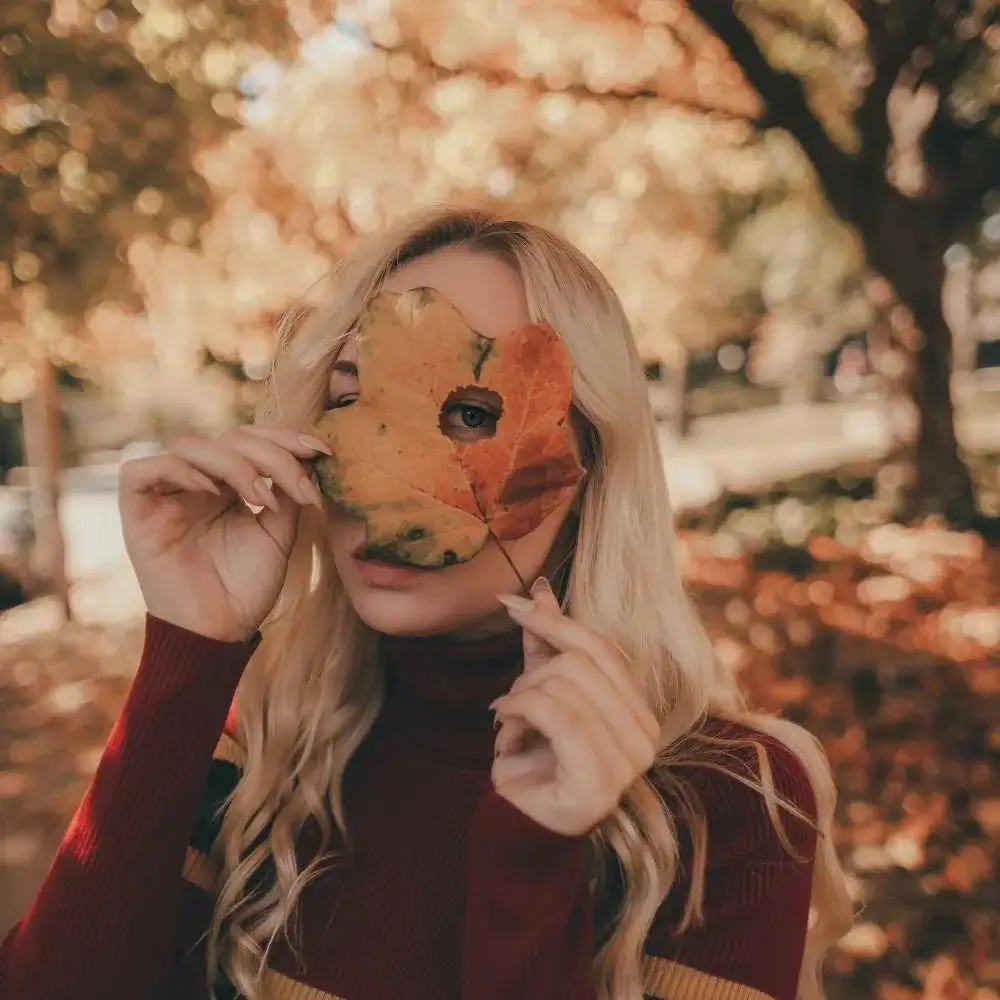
344, 534
530, 553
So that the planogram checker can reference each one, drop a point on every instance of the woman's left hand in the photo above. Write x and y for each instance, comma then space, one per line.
575, 731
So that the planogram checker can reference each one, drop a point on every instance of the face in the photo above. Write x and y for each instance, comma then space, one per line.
460, 599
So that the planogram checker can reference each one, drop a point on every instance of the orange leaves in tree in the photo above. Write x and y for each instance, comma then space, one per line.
431, 490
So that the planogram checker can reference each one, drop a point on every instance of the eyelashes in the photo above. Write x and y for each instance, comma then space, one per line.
468, 421
341, 401
459, 420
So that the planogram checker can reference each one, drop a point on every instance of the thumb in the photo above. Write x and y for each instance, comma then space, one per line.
536, 650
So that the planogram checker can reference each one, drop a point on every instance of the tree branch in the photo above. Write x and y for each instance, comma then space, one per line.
497, 76
785, 98
890, 52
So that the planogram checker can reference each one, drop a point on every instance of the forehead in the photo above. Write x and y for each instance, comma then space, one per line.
486, 291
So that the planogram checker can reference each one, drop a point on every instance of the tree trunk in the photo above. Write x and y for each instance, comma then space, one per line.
905, 238
803, 384
906, 241
40, 415
680, 413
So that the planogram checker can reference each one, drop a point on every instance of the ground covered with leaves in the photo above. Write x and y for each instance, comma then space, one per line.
888, 650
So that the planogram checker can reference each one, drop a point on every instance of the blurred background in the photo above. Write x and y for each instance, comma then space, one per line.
799, 204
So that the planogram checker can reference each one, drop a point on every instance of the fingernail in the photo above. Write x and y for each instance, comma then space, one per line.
515, 603
207, 484
497, 705
315, 443
310, 493
541, 586
261, 490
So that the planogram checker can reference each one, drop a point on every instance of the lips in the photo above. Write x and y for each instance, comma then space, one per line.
376, 570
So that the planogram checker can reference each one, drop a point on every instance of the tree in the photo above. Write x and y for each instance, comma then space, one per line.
618, 125
102, 110
799, 269
105, 108
365, 128
896, 105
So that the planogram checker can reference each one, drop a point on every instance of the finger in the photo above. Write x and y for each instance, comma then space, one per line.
164, 473
580, 739
277, 463
636, 728
536, 650
515, 736
608, 722
543, 595
227, 465
564, 634
535, 766
508, 736
305, 446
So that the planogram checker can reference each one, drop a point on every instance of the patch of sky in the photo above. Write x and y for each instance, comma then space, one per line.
344, 38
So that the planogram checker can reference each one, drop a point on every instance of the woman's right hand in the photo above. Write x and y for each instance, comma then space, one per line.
204, 560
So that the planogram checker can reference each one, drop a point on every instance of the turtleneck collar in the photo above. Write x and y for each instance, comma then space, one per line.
438, 693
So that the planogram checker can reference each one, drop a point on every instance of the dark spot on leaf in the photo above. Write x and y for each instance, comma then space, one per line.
482, 348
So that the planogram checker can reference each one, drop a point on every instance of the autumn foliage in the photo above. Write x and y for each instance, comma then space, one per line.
431, 489
174, 174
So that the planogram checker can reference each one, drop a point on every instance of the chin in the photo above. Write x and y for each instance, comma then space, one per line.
407, 601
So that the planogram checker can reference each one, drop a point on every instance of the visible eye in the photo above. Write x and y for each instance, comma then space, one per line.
341, 401
343, 388
465, 420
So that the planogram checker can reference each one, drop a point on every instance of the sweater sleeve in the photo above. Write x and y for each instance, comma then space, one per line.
750, 944
529, 922
102, 922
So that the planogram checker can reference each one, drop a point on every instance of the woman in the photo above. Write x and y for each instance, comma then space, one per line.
363, 831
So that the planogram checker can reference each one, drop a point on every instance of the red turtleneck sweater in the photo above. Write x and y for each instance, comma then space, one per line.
450, 893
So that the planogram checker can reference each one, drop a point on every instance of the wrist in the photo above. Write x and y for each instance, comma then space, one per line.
507, 834
232, 636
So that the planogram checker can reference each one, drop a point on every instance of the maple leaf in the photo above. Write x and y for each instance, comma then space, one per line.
427, 499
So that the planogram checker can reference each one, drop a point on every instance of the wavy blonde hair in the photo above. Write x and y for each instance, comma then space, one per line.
312, 692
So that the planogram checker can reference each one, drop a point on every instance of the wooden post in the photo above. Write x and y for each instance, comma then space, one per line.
40, 426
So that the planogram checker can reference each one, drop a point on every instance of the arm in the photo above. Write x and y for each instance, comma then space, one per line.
756, 903
529, 924
102, 922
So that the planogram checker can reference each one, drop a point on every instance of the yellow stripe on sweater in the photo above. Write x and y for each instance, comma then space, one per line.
199, 871
671, 981
228, 749
275, 986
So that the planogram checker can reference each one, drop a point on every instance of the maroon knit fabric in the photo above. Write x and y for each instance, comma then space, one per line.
448, 892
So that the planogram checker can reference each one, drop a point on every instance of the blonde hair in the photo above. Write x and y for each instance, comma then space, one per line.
311, 694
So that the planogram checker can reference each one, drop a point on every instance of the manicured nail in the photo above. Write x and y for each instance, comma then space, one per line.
310, 493
261, 490
541, 586
206, 484
497, 706
515, 603
314, 442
